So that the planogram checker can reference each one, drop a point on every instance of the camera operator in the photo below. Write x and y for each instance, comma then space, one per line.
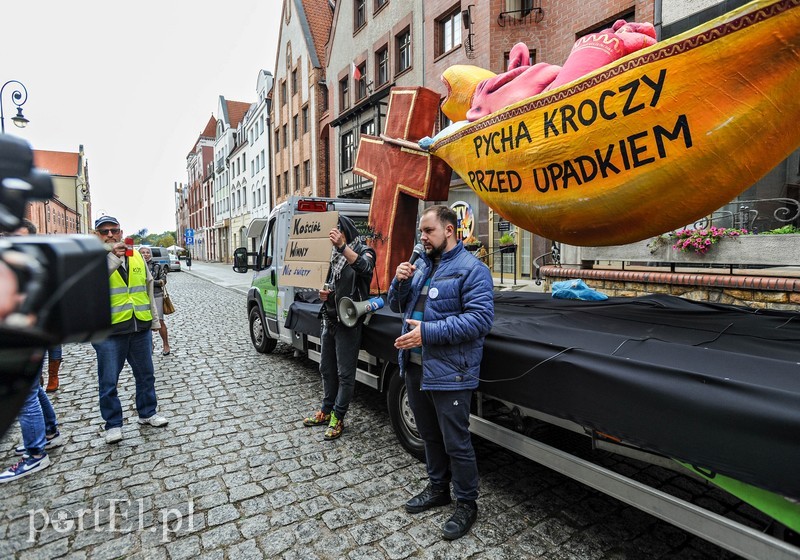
52, 291
133, 318
37, 418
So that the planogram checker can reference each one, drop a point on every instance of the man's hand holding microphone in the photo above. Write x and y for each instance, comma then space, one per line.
405, 270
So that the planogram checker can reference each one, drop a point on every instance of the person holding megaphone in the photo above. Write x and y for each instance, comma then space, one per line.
350, 275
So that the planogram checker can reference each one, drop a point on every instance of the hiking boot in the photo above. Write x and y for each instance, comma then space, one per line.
460, 522
26, 465
335, 427
427, 499
319, 418
51, 442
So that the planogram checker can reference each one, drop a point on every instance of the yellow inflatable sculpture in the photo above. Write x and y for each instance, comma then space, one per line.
643, 145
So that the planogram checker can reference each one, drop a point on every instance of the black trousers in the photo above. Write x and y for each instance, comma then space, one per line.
443, 423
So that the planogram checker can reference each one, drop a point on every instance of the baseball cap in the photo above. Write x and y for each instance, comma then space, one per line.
105, 220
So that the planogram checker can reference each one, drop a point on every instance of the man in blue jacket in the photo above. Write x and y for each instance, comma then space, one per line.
447, 303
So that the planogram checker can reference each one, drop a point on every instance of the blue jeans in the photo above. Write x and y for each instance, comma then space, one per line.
36, 419
112, 352
337, 364
54, 352
443, 424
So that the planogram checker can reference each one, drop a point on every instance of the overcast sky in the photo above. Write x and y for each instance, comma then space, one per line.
135, 83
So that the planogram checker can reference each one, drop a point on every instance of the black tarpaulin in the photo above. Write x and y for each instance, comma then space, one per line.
715, 385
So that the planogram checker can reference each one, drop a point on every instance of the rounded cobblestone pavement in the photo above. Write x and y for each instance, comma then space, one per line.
236, 475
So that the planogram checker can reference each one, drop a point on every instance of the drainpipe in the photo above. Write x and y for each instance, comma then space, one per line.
657, 23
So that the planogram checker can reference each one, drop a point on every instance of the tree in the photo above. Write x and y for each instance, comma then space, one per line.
166, 239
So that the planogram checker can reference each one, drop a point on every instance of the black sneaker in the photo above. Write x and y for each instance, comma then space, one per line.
461, 521
427, 499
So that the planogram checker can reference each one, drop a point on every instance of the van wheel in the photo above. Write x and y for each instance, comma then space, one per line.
402, 418
258, 334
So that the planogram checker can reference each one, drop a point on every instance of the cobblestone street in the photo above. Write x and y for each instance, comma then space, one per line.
236, 475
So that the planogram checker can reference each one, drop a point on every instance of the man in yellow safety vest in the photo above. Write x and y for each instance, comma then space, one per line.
133, 318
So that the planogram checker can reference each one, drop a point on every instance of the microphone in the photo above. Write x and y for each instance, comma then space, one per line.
419, 248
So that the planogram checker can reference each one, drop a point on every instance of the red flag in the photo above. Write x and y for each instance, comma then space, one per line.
356, 71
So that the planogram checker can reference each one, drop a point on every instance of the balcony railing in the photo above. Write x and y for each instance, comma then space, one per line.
756, 215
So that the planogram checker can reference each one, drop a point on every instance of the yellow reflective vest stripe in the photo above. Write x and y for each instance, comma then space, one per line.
129, 299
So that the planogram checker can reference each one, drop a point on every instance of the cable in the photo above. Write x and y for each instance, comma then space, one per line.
553, 357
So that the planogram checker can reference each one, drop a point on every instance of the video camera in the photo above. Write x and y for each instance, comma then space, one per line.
53, 289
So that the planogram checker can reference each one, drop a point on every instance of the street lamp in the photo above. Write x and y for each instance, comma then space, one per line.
19, 120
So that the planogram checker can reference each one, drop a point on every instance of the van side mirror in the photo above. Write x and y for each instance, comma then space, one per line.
240, 260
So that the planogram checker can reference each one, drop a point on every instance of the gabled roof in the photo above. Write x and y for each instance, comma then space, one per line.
236, 112
66, 164
210, 131
316, 17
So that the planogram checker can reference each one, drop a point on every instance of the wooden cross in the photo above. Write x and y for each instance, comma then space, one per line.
402, 174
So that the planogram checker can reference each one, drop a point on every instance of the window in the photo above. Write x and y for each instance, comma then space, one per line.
286, 182
295, 127
382, 66
278, 185
306, 173
277, 142
294, 82
263, 160
296, 177
380, 4
305, 119
531, 58
344, 94
347, 151
361, 83
403, 46
360, 16
283, 92
448, 29
286, 135
368, 128
606, 23
252, 168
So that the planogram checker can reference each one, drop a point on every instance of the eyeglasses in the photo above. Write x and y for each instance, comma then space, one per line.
112, 231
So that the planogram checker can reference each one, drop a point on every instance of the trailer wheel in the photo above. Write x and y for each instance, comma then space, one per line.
401, 417
258, 334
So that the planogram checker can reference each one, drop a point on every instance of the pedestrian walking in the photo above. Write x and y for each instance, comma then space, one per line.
39, 426
159, 281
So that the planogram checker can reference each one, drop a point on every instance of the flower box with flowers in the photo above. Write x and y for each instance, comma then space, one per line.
761, 249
